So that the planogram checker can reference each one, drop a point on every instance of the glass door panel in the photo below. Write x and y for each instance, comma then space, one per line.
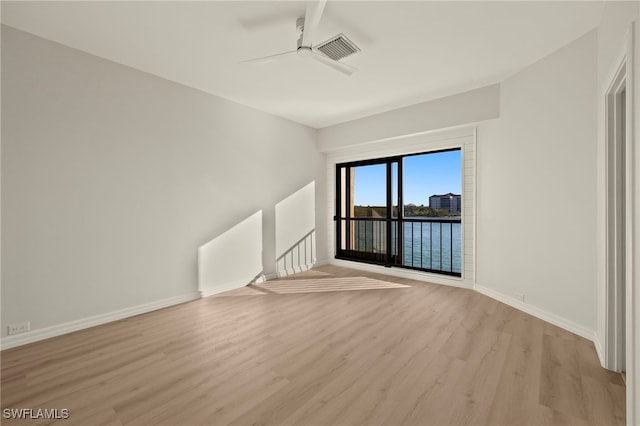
369, 212
432, 225
367, 205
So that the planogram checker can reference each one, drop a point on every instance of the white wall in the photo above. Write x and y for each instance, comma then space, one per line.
537, 188
612, 43
113, 178
633, 399
461, 109
296, 248
233, 259
612, 39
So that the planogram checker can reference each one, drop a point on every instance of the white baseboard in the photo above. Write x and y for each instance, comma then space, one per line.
432, 278
271, 276
537, 312
295, 270
599, 349
71, 326
233, 285
321, 263
60, 329
403, 273
210, 291
206, 292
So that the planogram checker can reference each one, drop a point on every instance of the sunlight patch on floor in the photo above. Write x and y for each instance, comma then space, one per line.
243, 291
327, 284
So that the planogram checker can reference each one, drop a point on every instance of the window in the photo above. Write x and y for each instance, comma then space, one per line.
403, 211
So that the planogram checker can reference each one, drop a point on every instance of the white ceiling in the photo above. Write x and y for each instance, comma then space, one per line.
411, 51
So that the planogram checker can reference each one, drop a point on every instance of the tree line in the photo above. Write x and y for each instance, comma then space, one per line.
410, 210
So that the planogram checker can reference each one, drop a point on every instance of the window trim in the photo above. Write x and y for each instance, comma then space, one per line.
463, 137
389, 262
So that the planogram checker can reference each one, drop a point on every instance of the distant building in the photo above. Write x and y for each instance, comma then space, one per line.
450, 202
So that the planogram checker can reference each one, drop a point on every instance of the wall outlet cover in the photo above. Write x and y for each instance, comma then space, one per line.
18, 328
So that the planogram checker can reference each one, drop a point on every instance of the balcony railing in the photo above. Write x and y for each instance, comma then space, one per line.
428, 244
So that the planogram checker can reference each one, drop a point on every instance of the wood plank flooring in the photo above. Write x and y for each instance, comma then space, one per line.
418, 355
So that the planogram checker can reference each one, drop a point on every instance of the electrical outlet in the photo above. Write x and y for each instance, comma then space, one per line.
519, 296
18, 328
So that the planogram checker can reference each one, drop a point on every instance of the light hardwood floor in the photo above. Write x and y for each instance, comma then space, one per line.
418, 355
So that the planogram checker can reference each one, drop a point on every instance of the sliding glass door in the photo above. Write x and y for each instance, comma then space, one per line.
364, 191
379, 220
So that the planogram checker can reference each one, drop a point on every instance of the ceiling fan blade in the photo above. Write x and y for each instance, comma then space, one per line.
338, 66
270, 58
312, 20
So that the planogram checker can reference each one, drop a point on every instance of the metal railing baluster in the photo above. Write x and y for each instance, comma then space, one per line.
370, 243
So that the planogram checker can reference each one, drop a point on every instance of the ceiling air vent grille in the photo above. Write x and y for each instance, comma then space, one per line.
338, 47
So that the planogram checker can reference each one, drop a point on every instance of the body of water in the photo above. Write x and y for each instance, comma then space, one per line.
432, 245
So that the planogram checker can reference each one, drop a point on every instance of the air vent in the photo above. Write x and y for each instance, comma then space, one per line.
338, 47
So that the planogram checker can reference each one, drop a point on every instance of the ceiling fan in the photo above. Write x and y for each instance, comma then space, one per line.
307, 27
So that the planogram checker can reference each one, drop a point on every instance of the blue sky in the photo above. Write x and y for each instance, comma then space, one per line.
424, 175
